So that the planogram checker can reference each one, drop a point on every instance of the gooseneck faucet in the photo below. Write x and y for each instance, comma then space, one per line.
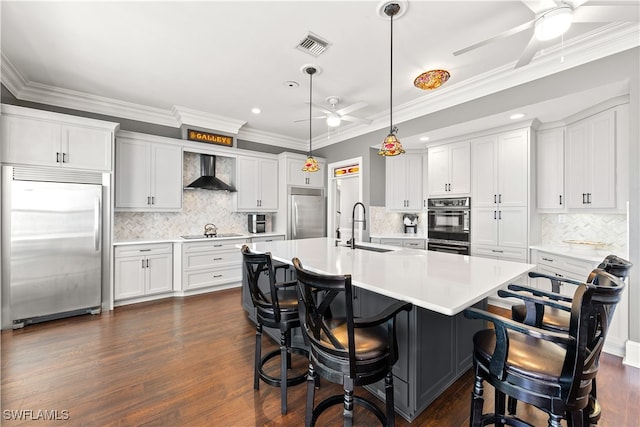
354, 220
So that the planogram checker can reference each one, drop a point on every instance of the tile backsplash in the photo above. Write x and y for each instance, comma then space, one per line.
383, 222
608, 228
199, 207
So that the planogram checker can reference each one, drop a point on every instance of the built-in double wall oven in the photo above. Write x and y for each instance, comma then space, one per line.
448, 225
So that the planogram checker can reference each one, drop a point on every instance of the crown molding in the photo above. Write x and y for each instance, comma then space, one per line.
189, 116
602, 42
608, 40
269, 138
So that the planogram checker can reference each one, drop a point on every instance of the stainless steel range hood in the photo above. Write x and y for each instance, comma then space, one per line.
208, 180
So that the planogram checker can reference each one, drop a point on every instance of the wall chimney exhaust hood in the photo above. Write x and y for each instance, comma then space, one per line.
208, 180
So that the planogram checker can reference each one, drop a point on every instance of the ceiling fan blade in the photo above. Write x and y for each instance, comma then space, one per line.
306, 120
321, 108
602, 13
529, 51
539, 6
356, 120
505, 34
351, 108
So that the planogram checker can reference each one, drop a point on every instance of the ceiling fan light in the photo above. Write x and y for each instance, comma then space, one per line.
333, 120
553, 23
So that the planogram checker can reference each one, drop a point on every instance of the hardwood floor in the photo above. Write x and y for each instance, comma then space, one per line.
188, 362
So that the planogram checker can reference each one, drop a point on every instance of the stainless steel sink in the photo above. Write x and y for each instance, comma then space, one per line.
371, 248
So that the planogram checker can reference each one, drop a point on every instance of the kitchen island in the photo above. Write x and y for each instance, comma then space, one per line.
434, 339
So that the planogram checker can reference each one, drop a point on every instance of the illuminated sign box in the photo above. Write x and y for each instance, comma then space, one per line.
211, 138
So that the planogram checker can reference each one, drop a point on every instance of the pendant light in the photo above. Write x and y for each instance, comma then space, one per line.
311, 165
391, 145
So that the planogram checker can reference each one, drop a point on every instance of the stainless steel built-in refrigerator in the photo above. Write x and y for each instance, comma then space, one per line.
307, 216
52, 242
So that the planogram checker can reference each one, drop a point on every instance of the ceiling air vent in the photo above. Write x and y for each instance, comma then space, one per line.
313, 44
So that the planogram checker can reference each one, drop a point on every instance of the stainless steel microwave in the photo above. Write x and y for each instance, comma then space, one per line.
257, 223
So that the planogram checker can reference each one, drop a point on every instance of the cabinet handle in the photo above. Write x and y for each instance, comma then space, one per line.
215, 276
495, 215
64, 157
499, 198
584, 195
558, 275
499, 214
449, 187
495, 198
148, 200
217, 259
144, 250
57, 157
147, 262
445, 187
424, 203
497, 251
589, 198
153, 200
547, 259
560, 196
217, 246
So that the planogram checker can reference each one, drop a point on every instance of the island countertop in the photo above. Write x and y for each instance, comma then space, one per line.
437, 281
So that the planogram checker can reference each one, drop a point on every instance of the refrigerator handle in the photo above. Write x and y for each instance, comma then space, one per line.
97, 217
294, 219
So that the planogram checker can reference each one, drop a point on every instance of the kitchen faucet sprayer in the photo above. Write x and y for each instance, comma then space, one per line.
354, 220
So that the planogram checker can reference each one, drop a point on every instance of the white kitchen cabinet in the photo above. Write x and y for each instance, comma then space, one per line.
591, 162
211, 264
550, 170
403, 184
293, 164
269, 238
143, 270
578, 268
148, 176
34, 137
500, 169
257, 184
449, 169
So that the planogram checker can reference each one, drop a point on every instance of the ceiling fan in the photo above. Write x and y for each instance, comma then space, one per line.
554, 17
334, 117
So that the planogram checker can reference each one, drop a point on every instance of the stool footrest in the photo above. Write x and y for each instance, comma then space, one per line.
273, 381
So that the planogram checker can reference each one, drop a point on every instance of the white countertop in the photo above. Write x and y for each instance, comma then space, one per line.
181, 240
399, 236
441, 282
566, 250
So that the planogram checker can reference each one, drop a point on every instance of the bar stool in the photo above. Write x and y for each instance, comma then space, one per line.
275, 308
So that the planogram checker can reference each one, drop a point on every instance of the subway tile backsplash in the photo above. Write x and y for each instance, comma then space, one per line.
199, 207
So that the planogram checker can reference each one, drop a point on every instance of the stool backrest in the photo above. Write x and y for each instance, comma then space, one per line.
255, 264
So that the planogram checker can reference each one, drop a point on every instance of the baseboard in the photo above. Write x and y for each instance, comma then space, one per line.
632, 354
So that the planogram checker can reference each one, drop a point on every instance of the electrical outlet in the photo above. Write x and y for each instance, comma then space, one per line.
562, 219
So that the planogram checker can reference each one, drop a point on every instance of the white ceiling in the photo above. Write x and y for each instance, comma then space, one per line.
210, 62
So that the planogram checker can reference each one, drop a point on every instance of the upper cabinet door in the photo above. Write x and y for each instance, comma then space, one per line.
166, 176
86, 148
513, 168
438, 170
550, 170
30, 142
257, 184
591, 162
133, 174
485, 172
460, 168
268, 181
296, 177
403, 177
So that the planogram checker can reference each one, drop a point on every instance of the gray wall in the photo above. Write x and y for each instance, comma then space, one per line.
624, 66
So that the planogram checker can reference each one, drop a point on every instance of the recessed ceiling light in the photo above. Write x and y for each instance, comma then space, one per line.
424, 138
291, 83
516, 116
256, 110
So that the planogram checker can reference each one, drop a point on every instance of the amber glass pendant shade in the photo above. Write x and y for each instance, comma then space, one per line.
391, 146
430, 80
311, 165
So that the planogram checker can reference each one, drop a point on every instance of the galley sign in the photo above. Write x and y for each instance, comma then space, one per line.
211, 138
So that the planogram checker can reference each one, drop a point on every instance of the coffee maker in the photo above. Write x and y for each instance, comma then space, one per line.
410, 222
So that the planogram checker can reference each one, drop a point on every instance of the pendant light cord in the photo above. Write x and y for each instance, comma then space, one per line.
391, 80
310, 102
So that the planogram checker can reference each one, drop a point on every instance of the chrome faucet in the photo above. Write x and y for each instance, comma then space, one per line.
354, 220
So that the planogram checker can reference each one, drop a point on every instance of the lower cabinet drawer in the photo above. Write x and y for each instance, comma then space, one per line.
231, 256
414, 244
211, 277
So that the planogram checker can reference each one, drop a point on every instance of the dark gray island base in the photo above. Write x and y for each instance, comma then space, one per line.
434, 349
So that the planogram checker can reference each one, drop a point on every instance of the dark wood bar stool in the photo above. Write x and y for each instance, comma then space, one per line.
277, 308
343, 349
550, 318
549, 370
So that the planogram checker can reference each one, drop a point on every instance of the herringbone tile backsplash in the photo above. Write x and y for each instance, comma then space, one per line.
199, 207
608, 228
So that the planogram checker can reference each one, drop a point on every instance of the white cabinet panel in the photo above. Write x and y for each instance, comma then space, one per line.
295, 175
403, 190
142, 270
449, 169
550, 170
257, 184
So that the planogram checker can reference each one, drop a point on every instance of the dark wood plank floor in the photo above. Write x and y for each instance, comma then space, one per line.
188, 362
